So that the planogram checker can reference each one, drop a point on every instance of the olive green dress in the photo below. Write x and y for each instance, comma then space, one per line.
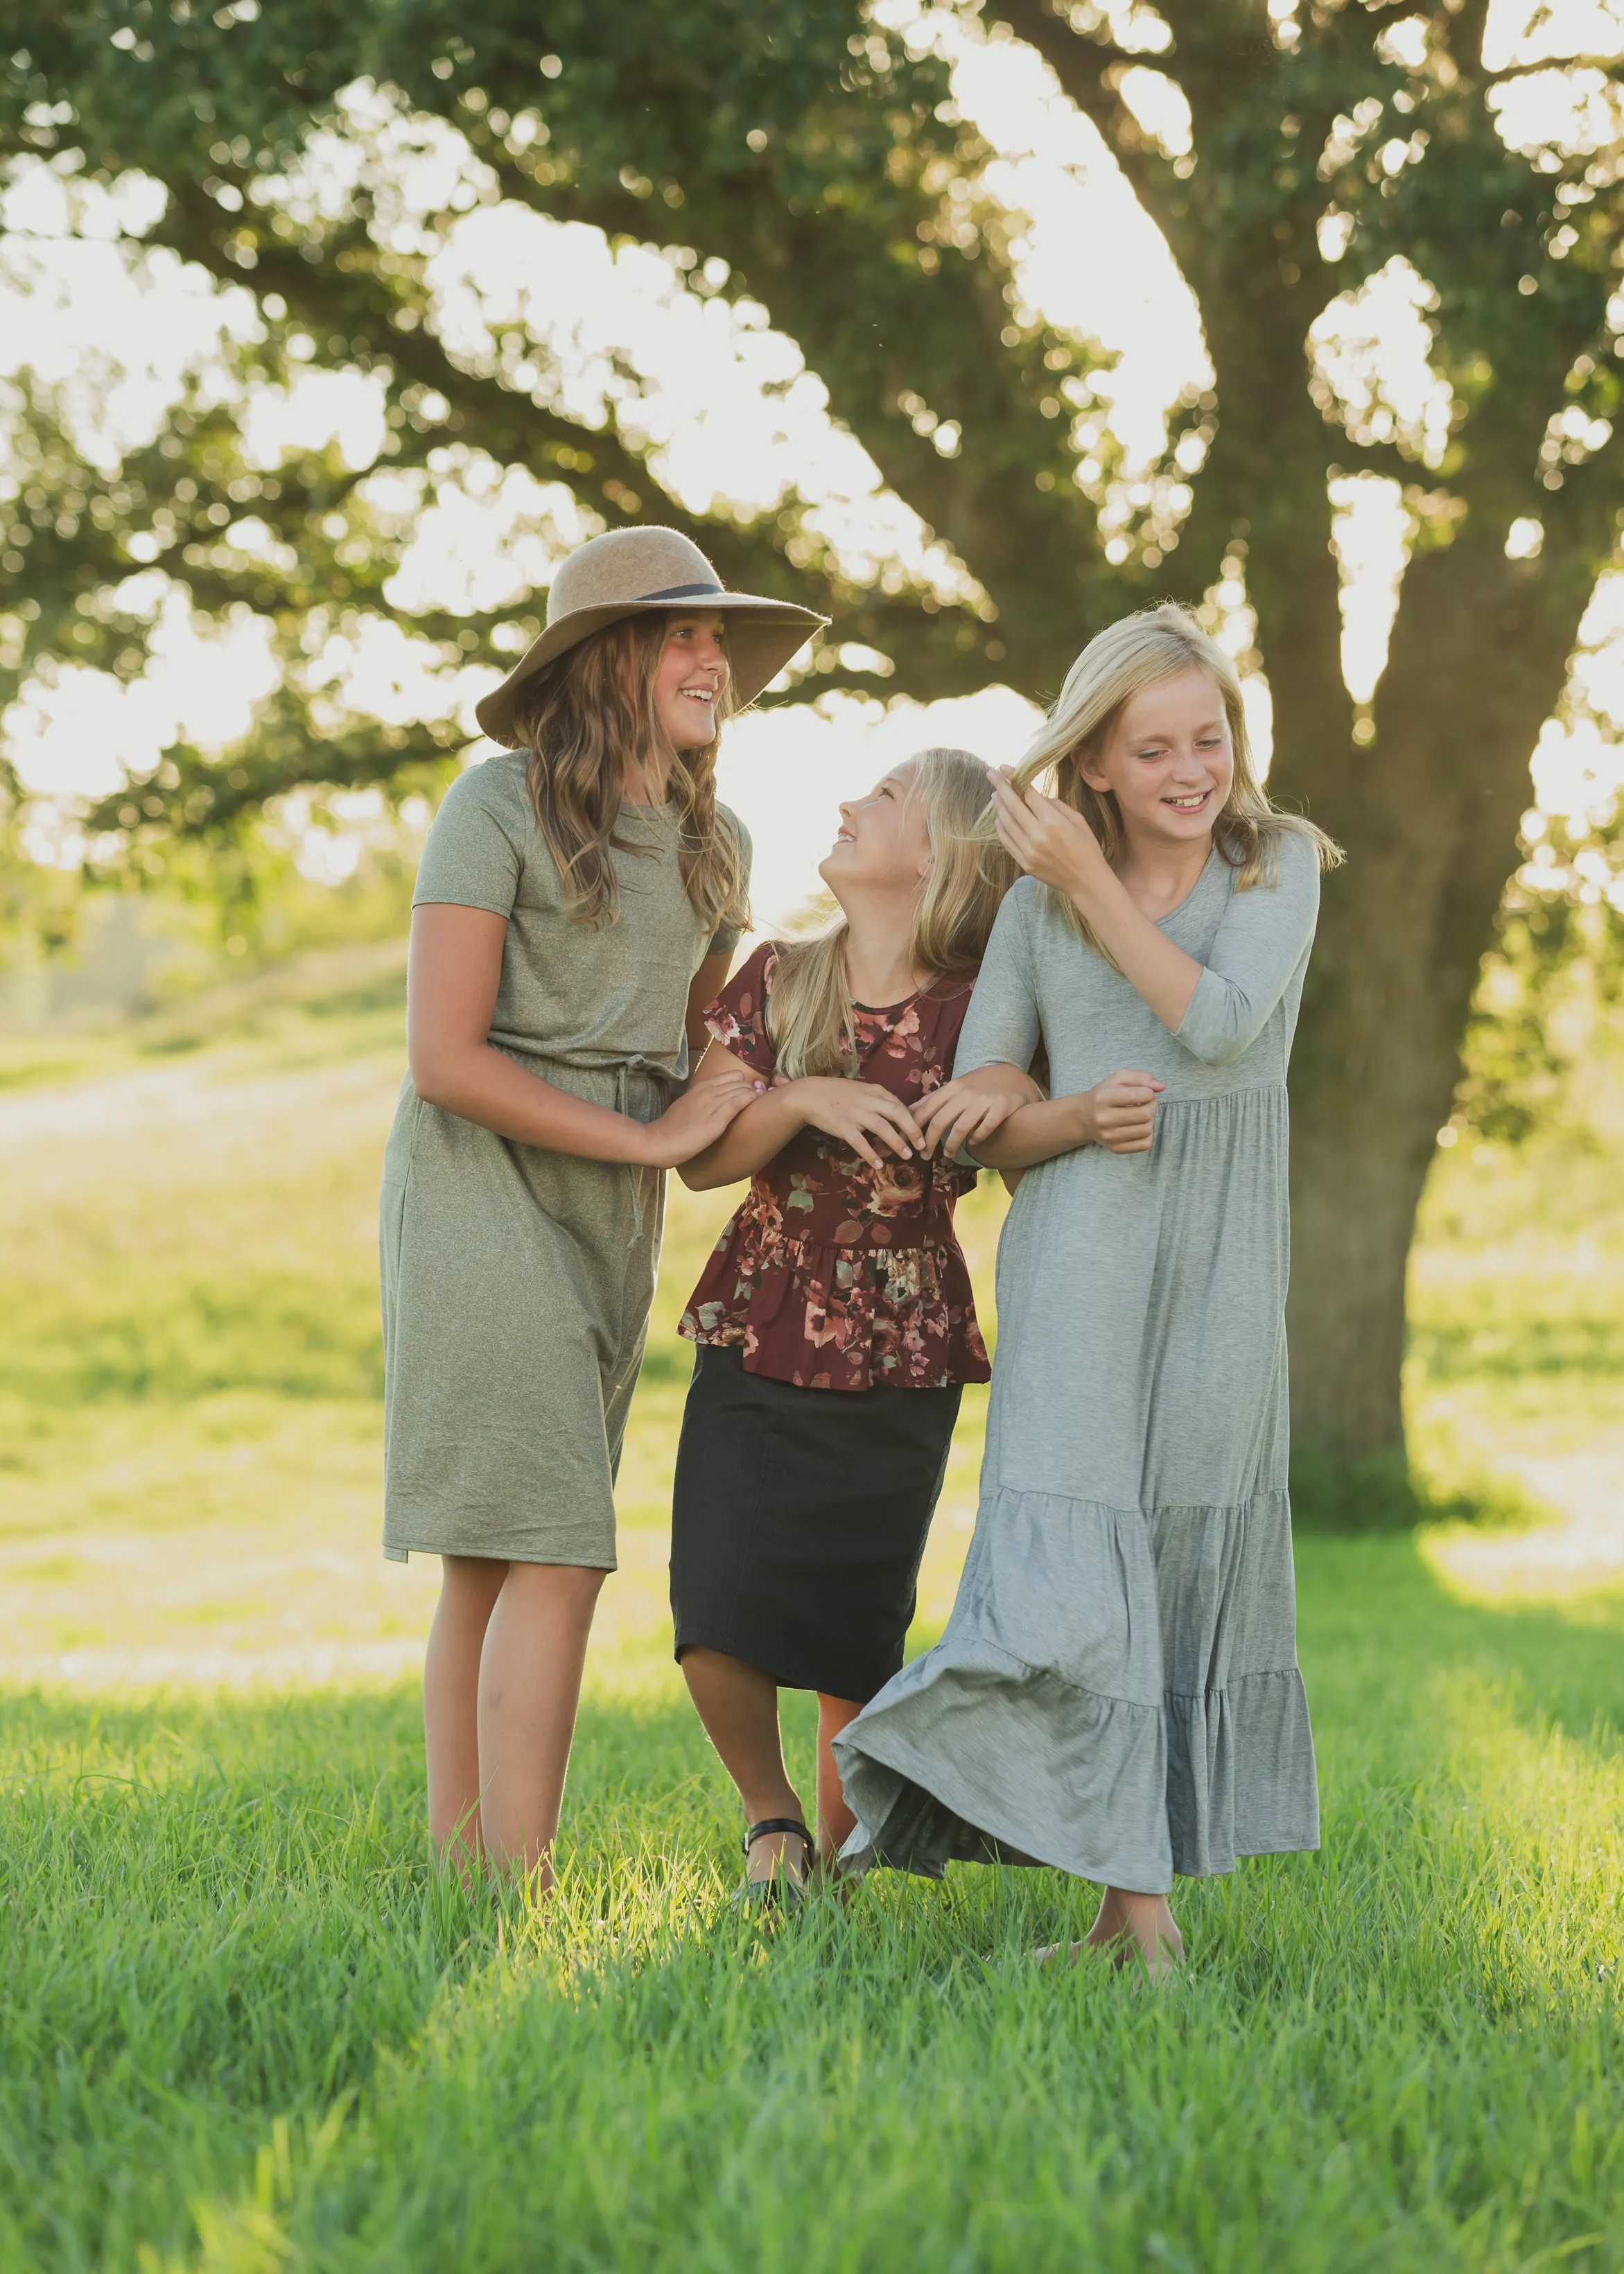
517, 1280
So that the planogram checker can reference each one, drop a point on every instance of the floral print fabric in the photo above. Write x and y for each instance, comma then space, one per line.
831, 1275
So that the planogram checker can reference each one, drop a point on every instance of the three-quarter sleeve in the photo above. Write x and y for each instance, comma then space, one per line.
724, 941
474, 855
1002, 1026
1261, 941
738, 1017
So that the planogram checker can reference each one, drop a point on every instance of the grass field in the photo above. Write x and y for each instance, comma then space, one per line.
243, 2029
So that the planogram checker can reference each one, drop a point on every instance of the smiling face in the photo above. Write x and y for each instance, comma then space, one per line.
689, 677
884, 842
1169, 760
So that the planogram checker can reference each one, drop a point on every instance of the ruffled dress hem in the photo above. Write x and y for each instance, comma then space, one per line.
1127, 1795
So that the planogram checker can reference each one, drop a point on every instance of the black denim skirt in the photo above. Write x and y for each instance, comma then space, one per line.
799, 1519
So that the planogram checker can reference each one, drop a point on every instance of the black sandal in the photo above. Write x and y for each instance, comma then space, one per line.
779, 1891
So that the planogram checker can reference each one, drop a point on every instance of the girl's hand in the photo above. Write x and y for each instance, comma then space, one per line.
961, 1111
696, 1118
854, 1113
1051, 840
1121, 1111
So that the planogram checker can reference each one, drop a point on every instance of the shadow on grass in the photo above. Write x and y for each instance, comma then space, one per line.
1376, 1627
1384, 1495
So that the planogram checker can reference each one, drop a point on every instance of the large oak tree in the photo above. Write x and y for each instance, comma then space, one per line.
819, 157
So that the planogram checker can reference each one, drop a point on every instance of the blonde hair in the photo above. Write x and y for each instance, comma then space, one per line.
810, 1014
585, 715
1140, 651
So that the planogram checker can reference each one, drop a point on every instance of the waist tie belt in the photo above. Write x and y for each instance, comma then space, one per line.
664, 1084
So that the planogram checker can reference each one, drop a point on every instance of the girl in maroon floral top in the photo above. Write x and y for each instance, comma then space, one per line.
835, 1272
834, 1320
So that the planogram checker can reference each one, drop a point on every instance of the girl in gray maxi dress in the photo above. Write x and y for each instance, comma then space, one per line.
1116, 1692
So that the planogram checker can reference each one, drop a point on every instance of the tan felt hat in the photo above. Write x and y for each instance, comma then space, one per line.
629, 571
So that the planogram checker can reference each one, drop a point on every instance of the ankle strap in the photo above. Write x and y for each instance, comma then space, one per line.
754, 1832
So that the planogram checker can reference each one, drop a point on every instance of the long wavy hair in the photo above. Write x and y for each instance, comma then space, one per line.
587, 714
810, 1014
1140, 651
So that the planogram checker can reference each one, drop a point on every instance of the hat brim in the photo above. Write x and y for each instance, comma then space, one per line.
762, 635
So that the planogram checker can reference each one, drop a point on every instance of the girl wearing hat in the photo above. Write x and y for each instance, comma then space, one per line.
1117, 1692
579, 896
834, 1320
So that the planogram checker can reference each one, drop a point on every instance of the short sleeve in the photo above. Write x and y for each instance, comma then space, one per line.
724, 942
738, 1017
1002, 1026
1261, 941
475, 851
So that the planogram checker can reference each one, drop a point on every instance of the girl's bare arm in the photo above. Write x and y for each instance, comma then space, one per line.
972, 1105
709, 982
1037, 1132
748, 1143
454, 971
1118, 1114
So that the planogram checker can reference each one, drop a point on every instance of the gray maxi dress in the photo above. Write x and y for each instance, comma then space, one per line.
517, 1280
1117, 1692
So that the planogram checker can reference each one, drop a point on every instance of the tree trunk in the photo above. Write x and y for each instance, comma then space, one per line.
1429, 816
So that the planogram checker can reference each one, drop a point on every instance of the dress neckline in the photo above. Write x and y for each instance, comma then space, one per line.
1179, 906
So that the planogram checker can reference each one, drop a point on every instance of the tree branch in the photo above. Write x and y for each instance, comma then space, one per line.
1513, 71
1077, 61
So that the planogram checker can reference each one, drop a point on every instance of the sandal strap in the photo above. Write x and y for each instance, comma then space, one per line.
754, 1832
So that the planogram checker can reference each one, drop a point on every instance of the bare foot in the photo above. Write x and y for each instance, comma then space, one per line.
1166, 1960
1128, 1927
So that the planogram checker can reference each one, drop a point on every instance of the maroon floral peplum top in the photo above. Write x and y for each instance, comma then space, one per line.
830, 1274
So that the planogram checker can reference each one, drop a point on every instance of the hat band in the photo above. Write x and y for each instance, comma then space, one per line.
684, 593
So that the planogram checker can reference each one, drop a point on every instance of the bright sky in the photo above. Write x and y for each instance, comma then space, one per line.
640, 339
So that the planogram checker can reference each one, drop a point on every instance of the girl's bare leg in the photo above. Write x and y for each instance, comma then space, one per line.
469, 1586
1145, 1923
739, 1706
1126, 1923
835, 1820
529, 1686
